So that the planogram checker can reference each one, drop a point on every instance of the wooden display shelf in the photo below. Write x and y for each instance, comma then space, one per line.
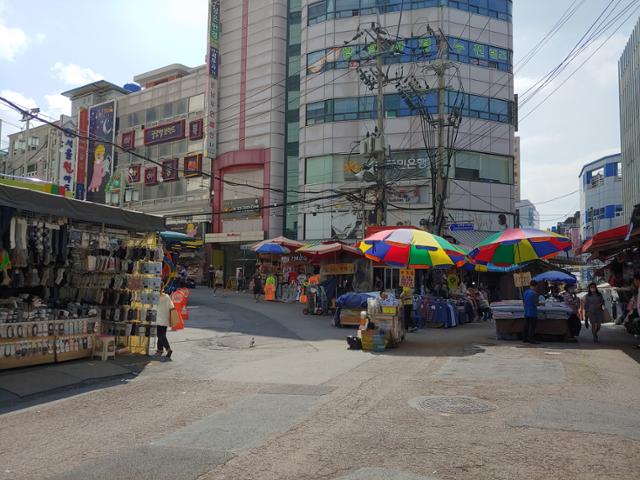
14, 362
9, 341
66, 356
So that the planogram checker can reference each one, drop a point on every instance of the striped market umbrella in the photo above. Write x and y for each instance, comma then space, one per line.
518, 245
404, 247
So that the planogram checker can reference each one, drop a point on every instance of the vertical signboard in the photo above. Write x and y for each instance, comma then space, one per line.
102, 119
81, 158
66, 167
213, 43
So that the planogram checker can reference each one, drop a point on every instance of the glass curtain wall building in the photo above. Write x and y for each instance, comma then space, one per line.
294, 11
337, 110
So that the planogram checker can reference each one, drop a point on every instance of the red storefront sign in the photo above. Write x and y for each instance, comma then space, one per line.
151, 175
83, 148
128, 140
192, 165
196, 131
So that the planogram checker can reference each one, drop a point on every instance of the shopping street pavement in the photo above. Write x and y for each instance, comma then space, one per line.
262, 391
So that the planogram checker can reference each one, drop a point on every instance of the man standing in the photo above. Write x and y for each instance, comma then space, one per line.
531, 300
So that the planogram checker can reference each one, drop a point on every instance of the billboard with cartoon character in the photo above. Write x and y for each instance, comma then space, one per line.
102, 119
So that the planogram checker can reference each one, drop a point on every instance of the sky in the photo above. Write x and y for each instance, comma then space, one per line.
46, 49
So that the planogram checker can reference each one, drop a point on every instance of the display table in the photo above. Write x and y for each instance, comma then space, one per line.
553, 319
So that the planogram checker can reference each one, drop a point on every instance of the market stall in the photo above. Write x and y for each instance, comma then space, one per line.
337, 263
517, 246
407, 249
74, 274
619, 250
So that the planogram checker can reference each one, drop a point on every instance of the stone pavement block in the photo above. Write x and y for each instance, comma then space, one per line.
382, 474
583, 416
244, 425
291, 389
31, 381
500, 365
148, 463
86, 370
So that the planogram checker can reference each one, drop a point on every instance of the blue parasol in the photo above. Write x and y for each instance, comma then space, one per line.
555, 276
272, 249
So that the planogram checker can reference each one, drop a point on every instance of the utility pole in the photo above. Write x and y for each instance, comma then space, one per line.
379, 152
441, 178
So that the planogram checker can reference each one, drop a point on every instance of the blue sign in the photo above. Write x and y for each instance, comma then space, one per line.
80, 191
462, 227
213, 62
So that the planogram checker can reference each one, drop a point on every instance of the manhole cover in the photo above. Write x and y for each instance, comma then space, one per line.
452, 404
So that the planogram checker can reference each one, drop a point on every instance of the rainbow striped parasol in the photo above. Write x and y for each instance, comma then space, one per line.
518, 245
409, 248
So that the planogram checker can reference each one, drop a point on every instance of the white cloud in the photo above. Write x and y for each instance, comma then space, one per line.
522, 84
57, 105
40, 38
13, 41
74, 75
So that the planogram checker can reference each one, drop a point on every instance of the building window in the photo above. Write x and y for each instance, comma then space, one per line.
597, 177
33, 143
32, 170
152, 115
324, 10
618, 171
361, 108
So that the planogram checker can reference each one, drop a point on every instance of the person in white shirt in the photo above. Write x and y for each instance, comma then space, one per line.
165, 305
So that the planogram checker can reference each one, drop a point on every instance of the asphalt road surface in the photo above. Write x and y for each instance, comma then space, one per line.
260, 391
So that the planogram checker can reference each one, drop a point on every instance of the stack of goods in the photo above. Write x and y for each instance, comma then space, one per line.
373, 340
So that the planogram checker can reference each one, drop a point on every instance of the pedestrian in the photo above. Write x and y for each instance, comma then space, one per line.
163, 322
257, 286
218, 280
573, 302
634, 304
210, 276
531, 300
594, 310
239, 279
484, 309
407, 307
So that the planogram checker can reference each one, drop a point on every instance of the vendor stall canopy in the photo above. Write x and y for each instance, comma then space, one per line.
55, 205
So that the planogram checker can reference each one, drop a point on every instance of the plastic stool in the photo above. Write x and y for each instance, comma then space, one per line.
104, 347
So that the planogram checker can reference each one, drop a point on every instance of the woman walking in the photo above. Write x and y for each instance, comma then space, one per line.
594, 309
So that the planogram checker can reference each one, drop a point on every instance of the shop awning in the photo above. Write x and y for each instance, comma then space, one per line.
55, 205
328, 249
605, 239
283, 241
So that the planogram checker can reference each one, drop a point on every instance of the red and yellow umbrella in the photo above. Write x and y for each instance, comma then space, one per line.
410, 248
518, 245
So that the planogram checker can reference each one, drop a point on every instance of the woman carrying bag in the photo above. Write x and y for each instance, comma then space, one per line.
594, 310
166, 310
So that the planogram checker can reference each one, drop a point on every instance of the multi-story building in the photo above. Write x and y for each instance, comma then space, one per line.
162, 121
528, 215
629, 81
601, 205
337, 110
33, 153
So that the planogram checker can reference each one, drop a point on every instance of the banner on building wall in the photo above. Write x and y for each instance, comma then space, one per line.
102, 119
66, 164
81, 157
213, 44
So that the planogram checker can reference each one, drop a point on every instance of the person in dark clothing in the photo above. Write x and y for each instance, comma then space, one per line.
257, 286
531, 300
